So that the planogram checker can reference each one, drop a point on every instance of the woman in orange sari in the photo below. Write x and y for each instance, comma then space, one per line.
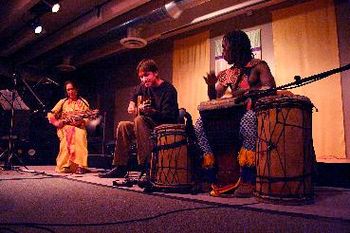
67, 117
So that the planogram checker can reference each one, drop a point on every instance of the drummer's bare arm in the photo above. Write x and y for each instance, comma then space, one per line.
220, 89
211, 79
239, 92
261, 77
211, 92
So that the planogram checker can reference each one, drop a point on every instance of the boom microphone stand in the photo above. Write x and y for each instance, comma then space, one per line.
298, 82
35, 96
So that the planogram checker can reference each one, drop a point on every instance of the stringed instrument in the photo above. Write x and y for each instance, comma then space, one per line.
144, 101
76, 116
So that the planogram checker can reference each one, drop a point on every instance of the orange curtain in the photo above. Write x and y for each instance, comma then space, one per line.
191, 61
305, 43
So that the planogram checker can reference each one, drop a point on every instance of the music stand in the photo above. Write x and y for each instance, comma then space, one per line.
11, 101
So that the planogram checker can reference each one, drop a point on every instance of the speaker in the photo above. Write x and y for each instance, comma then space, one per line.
100, 161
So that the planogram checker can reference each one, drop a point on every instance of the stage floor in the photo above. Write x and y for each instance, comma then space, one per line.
329, 202
38, 199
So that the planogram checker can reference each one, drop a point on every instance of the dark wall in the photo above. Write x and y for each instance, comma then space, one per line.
106, 84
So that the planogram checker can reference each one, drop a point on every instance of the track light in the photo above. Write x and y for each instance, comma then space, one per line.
53, 4
56, 7
36, 25
38, 29
45, 6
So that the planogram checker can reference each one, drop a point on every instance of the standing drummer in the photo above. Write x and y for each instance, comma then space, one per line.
245, 75
161, 108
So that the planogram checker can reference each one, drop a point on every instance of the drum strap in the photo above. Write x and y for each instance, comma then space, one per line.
170, 146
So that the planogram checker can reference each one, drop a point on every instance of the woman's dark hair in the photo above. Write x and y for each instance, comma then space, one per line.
241, 49
147, 65
73, 83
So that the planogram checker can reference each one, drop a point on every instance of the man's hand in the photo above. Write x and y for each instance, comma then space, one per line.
210, 79
146, 109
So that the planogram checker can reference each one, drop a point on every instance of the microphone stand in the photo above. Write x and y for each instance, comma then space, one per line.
33, 93
313, 78
297, 83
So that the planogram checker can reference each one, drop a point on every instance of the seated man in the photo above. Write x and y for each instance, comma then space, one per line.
245, 75
159, 107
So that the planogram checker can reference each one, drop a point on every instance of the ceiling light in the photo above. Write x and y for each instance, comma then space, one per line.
56, 7
45, 6
53, 4
36, 25
38, 29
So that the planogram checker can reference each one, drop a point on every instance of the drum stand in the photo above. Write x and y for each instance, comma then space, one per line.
9, 154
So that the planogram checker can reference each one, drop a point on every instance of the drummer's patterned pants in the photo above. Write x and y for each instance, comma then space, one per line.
248, 133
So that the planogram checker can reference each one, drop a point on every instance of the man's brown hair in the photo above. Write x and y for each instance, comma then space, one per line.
147, 65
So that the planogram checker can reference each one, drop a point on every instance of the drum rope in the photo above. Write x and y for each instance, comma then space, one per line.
275, 179
170, 146
168, 152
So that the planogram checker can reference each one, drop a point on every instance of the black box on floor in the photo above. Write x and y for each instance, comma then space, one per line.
100, 161
333, 175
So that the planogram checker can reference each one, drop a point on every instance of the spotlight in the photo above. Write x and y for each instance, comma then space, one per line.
53, 4
45, 6
55, 8
36, 25
38, 29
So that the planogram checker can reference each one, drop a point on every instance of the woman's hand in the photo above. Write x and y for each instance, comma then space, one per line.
58, 124
77, 122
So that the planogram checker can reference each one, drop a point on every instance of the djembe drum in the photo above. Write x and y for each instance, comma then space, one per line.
284, 156
171, 167
221, 120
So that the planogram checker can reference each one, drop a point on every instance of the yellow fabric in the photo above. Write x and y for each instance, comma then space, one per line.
246, 158
191, 61
305, 43
73, 140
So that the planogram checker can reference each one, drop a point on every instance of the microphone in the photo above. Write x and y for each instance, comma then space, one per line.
40, 109
52, 81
